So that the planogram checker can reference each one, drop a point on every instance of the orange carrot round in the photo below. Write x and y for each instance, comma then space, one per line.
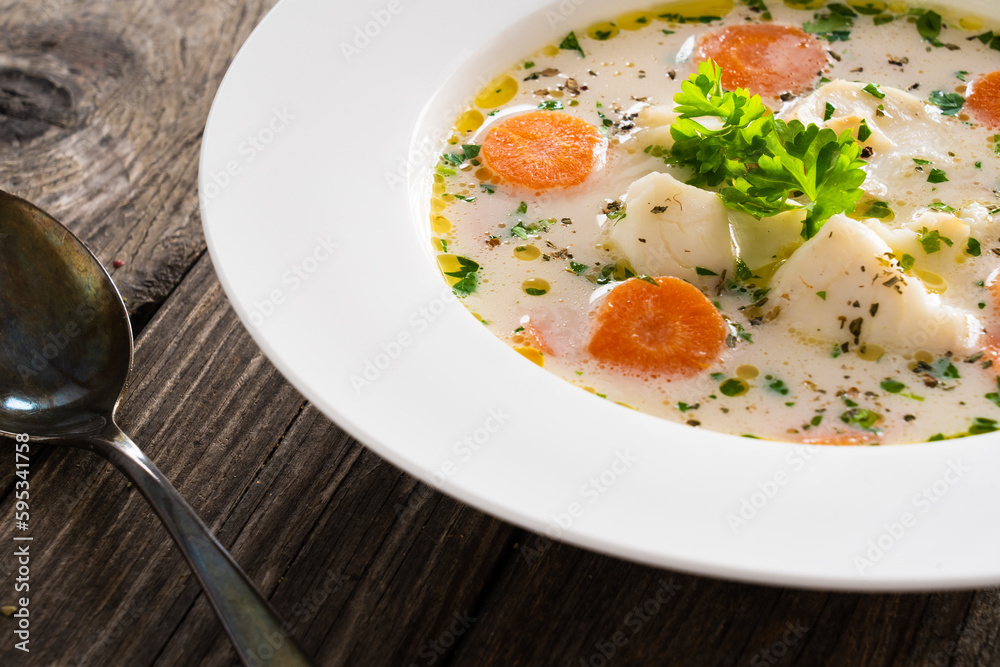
766, 59
669, 328
983, 99
543, 149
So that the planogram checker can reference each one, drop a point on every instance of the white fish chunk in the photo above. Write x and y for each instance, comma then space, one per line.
845, 285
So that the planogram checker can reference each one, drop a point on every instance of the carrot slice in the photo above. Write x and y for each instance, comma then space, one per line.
983, 100
669, 328
766, 59
543, 149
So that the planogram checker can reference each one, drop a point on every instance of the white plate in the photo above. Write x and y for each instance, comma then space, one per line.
319, 132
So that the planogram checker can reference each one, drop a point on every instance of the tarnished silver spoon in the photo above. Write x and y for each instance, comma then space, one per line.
65, 359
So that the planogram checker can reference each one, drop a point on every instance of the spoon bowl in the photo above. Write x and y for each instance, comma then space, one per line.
65, 360
66, 349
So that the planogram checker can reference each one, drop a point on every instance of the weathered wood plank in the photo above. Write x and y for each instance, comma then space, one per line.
102, 107
310, 515
586, 609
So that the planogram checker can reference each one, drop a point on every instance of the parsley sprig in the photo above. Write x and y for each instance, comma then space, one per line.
763, 164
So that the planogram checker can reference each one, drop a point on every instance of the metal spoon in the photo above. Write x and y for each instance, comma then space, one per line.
65, 359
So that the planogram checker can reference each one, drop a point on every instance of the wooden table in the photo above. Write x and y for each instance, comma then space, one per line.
102, 107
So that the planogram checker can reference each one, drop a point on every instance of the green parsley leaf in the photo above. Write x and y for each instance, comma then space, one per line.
534, 291
470, 151
907, 261
995, 395
570, 43
833, 27
973, 247
468, 274
523, 208
937, 176
861, 418
929, 27
878, 209
931, 240
920, 161
983, 425
961, 74
949, 103
464, 198
551, 105
821, 295
941, 206
892, 386
828, 111
864, 131
734, 387
760, 162
883, 19
702, 271
578, 268
874, 90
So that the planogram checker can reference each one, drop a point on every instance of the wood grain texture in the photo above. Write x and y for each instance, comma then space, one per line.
102, 106
119, 164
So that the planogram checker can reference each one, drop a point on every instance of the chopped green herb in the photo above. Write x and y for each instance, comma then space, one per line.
931, 240
983, 425
534, 291
464, 198
995, 395
529, 64
874, 90
828, 112
974, 248
648, 279
551, 105
949, 103
523, 208
734, 387
864, 131
878, 209
570, 43
684, 407
833, 27
702, 271
488, 188
680, 18
718, 376
929, 27
578, 268
921, 162
892, 386
861, 418
961, 74
937, 176
468, 275
779, 387
906, 262
836, 352
821, 294
470, 151
883, 19
941, 206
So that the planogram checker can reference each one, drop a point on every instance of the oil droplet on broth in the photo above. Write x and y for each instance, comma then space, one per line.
499, 91
535, 287
527, 253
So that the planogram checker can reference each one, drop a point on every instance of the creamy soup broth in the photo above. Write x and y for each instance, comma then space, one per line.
536, 264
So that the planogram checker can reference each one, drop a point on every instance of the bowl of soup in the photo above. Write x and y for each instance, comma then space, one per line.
623, 274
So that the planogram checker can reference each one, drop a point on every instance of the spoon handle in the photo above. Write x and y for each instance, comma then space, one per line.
251, 623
